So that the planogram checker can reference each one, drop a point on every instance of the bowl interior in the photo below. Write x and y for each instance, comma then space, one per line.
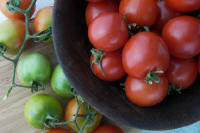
73, 52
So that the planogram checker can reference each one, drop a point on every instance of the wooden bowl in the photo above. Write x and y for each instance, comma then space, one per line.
73, 52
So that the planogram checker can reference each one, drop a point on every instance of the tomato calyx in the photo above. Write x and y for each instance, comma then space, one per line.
98, 56
152, 76
134, 28
36, 86
50, 122
173, 88
42, 36
12, 3
2, 49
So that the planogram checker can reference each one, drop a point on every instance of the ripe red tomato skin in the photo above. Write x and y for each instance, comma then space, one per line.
108, 129
57, 130
108, 32
143, 94
141, 12
111, 65
24, 5
95, 9
182, 72
165, 15
182, 35
143, 53
184, 5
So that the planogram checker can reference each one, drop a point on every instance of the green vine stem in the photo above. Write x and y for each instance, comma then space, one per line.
98, 56
52, 122
173, 88
153, 77
12, 5
134, 28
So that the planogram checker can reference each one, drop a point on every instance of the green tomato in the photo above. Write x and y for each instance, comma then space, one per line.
39, 107
32, 68
12, 33
60, 84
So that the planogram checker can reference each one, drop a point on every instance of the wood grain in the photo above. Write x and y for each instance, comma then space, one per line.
11, 111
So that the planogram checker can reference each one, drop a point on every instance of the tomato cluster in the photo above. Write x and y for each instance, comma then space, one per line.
44, 111
16, 25
154, 42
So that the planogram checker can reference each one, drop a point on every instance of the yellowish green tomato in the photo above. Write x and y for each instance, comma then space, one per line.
39, 107
33, 68
12, 33
60, 83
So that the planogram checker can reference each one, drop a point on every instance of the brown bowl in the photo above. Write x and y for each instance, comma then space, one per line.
72, 48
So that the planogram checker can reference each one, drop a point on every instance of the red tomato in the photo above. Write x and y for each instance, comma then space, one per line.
143, 53
184, 5
111, 68
108, 32
24, 4
166, 14
57, 130
182, 72
108, 129
182, 35
95, 9
141, 12
143, 94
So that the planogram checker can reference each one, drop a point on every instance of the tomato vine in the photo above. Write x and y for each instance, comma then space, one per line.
51, 122
12, 5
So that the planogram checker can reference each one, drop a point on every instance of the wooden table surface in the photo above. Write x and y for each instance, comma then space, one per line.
11, 111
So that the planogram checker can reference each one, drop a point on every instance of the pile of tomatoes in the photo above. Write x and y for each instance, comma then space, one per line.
43, 111
155, 42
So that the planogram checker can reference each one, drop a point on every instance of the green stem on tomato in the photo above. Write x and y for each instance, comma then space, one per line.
173, 88
27, 38
98, 56
134, 28
16, 59
153, 77
50, 121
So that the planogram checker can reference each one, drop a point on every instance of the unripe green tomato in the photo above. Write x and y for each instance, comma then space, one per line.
60, 83
39, 107
12, 33
33, 67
